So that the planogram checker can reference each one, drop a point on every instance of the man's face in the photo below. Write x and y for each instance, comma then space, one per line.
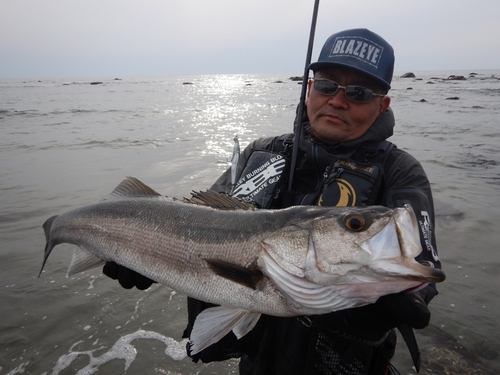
334, 118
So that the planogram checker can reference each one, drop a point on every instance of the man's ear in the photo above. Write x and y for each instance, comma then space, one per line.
384, 104
309, 88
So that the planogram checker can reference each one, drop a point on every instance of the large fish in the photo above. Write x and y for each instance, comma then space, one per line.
301, 260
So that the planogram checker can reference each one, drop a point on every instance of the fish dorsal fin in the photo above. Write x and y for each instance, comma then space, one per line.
131, 187
214, 323
216, 200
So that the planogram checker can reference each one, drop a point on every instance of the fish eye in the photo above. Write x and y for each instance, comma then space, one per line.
355, 223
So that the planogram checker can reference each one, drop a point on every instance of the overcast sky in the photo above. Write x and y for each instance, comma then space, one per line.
101, 38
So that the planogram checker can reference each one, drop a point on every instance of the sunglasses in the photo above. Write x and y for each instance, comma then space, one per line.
355, 93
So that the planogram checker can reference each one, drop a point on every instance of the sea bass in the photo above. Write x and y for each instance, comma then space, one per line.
302, 260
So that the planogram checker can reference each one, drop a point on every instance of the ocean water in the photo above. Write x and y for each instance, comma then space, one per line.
67, 143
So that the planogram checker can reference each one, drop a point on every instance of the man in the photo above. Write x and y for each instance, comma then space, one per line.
343, 159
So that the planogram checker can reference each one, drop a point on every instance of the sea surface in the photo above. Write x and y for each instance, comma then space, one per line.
65, 143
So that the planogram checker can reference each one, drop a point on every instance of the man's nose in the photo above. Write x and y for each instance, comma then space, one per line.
338, 99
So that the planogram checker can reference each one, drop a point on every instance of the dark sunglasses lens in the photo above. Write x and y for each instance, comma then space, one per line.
326, 87
358, 93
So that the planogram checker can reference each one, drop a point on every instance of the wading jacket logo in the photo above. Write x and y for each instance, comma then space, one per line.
359, 48
344, 196
426, 229
262, 172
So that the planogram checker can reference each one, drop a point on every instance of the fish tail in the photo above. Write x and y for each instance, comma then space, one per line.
50, 244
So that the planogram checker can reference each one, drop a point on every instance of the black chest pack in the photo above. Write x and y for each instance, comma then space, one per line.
355, 180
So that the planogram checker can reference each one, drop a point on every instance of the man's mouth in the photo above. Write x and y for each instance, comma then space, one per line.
332, 117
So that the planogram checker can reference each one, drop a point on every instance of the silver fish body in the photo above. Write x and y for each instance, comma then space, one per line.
288, 262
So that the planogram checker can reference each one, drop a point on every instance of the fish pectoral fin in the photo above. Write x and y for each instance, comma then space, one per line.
248, 277
214, 323
83, 261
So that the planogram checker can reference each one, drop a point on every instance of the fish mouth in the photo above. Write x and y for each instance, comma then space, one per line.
404, 222
409, 238
407, 230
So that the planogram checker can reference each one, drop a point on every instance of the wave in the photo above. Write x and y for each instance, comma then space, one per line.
30, 113
117, 143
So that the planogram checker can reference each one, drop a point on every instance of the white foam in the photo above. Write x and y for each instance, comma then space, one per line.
18, 369
173, 293
122, 349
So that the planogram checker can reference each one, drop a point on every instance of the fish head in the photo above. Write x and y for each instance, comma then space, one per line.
366, 238
370, 251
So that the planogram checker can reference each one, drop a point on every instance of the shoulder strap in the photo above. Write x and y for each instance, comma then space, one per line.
284, 143
409, 337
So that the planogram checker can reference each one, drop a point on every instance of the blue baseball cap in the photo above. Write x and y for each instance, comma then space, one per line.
361, 50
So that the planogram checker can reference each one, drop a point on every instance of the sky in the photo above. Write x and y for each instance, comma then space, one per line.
115, 38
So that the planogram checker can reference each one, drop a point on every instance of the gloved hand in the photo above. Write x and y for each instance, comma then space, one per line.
126, 277
389, 312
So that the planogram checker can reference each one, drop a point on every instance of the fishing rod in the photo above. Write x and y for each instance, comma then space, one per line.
300, 114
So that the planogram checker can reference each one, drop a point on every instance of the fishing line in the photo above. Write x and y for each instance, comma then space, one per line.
298, 126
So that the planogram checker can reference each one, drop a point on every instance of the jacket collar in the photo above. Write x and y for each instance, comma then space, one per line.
381, 129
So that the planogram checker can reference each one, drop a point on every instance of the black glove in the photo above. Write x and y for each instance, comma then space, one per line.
389, 312
126, 277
